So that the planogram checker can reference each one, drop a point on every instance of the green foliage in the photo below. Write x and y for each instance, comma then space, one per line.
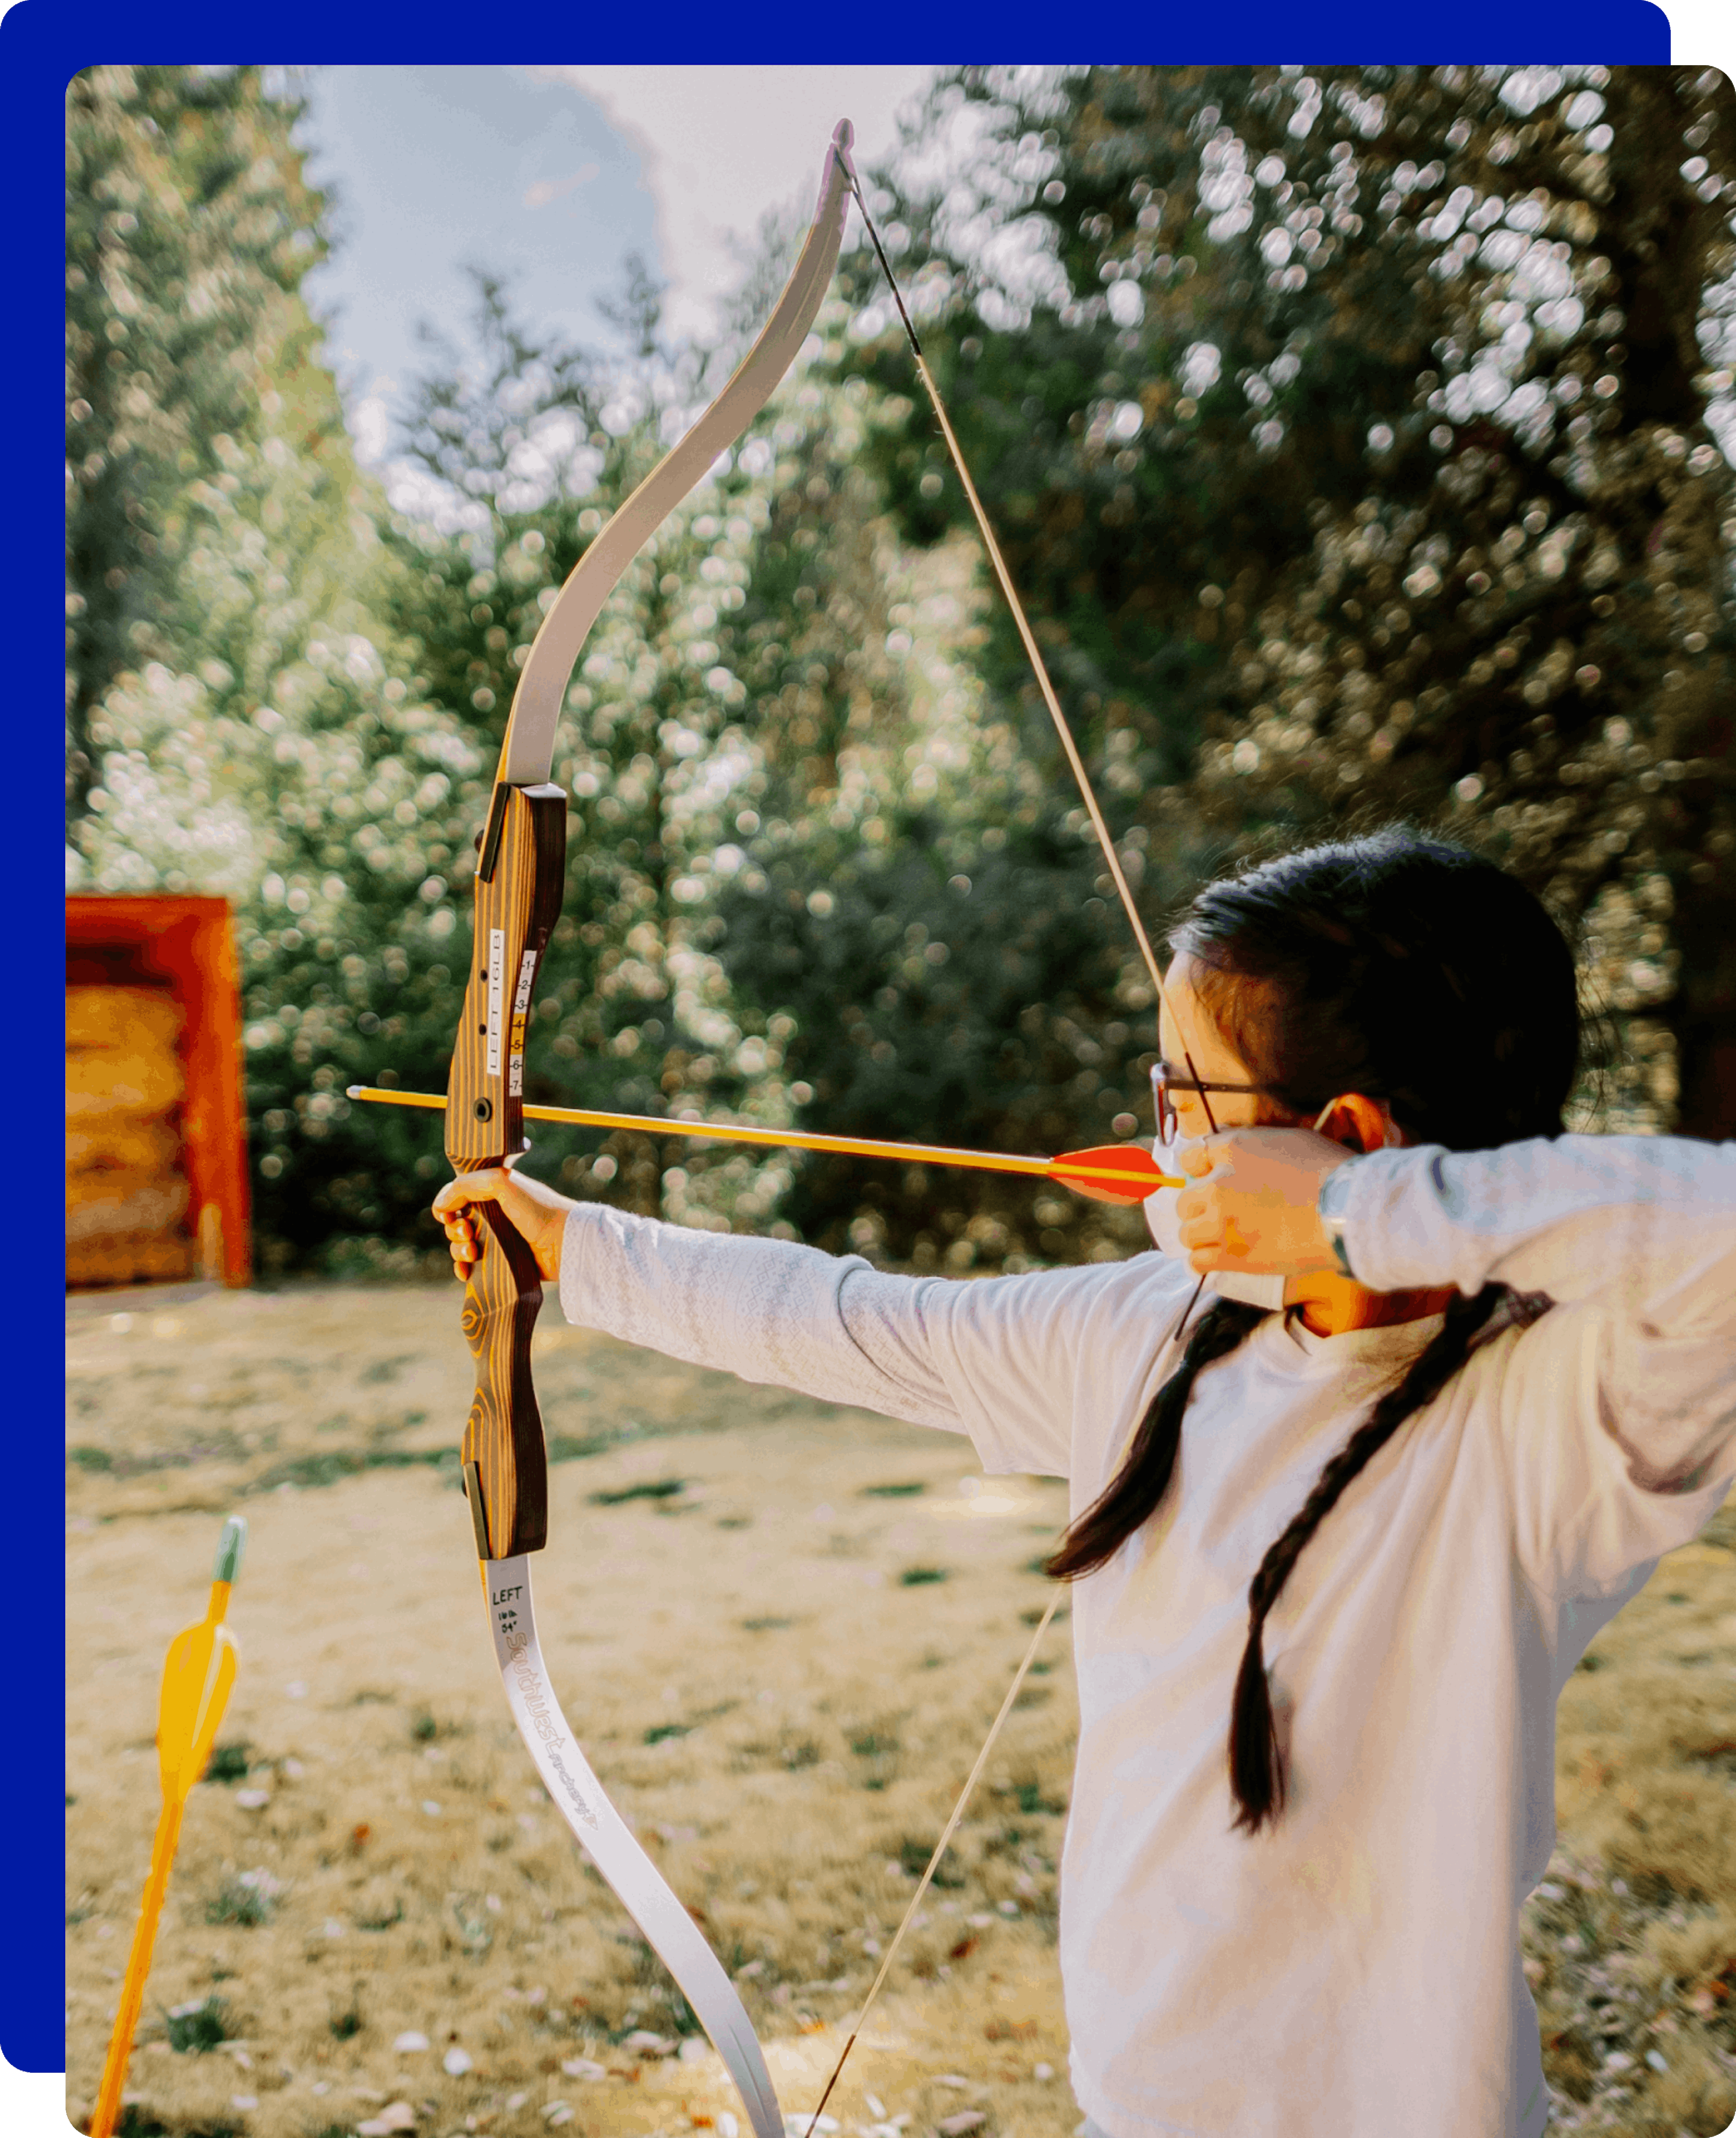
659, 1488
249, 1898
1348, 432
189, 227
913, 1860
270, 747
228, 1762
957, 984
197, 2027
1354, 424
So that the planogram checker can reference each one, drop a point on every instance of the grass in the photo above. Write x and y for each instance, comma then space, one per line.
229, 1763
363, 1651
248, 1898
197, 2028
662, 1488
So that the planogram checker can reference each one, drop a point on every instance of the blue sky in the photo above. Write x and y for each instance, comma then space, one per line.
432, 166
553, 175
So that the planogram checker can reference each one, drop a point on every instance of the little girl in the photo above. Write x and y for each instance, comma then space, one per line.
1338, 1539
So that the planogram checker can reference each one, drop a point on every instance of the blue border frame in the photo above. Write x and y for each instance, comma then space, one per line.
42, 44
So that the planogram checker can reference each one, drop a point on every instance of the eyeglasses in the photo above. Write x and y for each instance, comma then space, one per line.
1164, 1080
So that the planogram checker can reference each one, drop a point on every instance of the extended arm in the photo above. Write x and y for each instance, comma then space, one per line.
769, 1310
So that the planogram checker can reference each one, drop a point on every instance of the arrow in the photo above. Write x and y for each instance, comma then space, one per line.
1109, 1172
197, 1675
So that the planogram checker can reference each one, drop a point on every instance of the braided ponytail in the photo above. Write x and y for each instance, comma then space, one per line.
1256, 1766
1133, 1494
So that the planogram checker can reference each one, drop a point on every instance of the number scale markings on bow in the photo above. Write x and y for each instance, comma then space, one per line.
519, 880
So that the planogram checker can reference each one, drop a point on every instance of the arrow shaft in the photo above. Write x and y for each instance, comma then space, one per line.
138, 1968
910, 1154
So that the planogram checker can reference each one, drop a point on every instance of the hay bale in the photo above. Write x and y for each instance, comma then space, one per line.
128, 1142
134, 1080
126, 1195
116, 1017
111, 1201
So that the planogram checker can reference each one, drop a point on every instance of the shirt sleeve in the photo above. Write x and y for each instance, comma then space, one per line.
1616, 1411
1013, 1361
770, 1311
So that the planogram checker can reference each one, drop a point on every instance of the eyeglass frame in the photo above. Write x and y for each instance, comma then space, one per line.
1164, 1080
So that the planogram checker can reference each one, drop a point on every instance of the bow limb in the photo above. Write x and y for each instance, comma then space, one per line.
608, 1841
520, 876
528, 750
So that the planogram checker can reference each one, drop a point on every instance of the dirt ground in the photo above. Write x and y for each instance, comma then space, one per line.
780, 1632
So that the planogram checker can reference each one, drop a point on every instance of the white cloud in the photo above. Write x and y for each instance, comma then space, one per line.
722, 145
554, 189
371, 429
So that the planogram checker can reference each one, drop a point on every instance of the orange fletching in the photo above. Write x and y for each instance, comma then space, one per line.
1112, 1173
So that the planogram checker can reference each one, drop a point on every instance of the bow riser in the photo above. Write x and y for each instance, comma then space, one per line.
520, 877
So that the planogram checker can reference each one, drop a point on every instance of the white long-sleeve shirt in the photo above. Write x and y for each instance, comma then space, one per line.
1354, 1973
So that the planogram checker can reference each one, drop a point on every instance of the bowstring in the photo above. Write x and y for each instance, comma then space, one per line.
1088, 794
940, 1849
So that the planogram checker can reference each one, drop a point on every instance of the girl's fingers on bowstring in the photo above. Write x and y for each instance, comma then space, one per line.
1197, 1159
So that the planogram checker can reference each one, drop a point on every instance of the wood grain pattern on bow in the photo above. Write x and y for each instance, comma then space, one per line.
519, 880
520, 874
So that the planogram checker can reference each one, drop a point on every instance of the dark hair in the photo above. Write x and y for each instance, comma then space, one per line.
1407, 970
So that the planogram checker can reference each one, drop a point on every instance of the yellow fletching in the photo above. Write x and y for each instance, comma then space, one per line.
197, 1678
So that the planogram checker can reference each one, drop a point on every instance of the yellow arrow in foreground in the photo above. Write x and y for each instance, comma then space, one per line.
1111, 1172
197, 1675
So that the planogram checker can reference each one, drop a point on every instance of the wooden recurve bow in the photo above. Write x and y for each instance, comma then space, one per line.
519, 879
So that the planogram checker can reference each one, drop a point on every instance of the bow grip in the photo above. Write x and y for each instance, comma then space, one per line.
520, 875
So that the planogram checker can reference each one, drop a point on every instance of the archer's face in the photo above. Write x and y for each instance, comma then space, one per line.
1186, 1027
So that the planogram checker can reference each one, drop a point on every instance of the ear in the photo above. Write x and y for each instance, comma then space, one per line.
1362, 1124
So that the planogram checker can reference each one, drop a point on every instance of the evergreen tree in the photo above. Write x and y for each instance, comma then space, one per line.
189, 226
633, 1014
254, 731
1356, 423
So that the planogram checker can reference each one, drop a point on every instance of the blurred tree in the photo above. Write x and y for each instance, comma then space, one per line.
189, 226
249, 728
910, 907
918, 910
1362, 425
